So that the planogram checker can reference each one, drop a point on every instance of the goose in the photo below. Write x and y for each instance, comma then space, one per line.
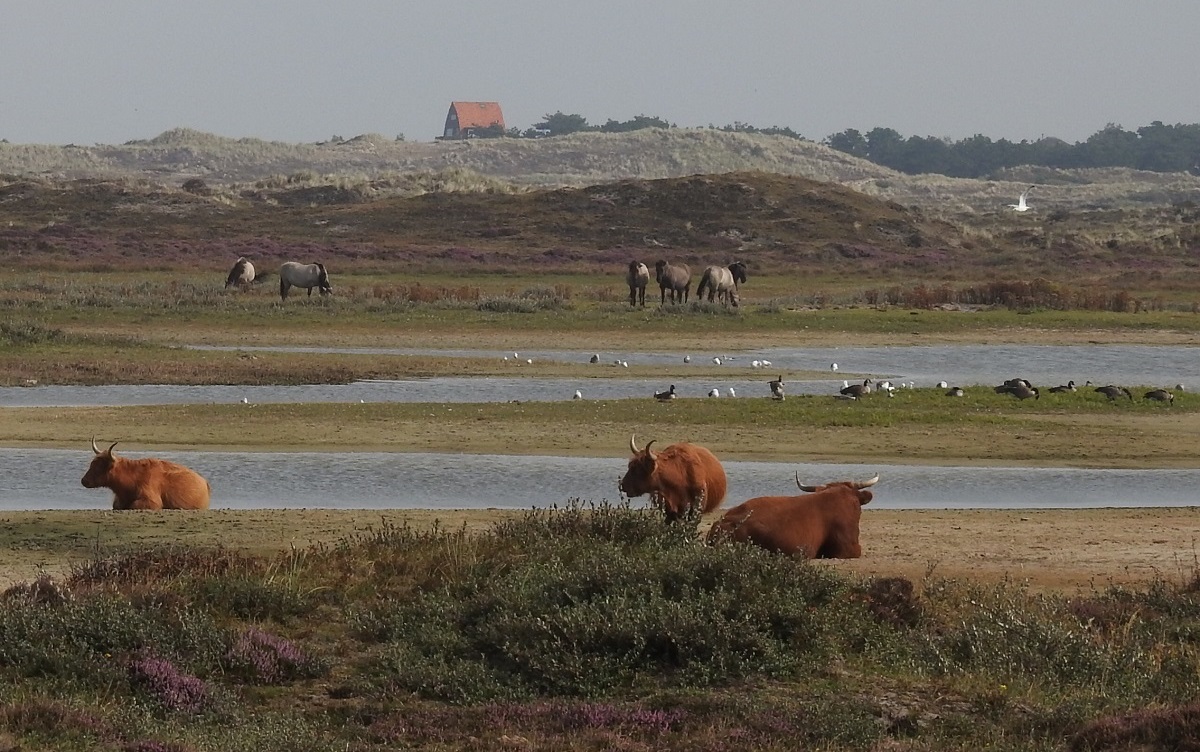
857, 390
1010, 384
776, 387
1067, 387
595, 358
667, 395
1021, 206
955, 391
1023, 392
1161, 395
942, 385
1112, 391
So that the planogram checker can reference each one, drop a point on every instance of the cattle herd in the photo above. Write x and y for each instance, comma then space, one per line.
821, 522
682, 479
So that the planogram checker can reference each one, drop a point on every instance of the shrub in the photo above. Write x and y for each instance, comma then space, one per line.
602, 601
28, 333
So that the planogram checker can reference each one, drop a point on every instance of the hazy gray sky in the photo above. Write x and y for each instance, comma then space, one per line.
108, 71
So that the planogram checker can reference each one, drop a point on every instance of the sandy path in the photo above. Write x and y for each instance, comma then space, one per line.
1060, 550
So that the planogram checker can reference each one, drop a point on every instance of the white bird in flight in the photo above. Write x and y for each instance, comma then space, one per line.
1021, 206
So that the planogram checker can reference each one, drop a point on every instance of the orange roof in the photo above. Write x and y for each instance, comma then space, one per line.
477, 114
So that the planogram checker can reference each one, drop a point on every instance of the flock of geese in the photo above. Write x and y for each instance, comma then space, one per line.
1019, 388
1022, 389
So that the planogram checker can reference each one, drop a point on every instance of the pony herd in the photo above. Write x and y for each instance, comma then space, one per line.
719, 283
291, 274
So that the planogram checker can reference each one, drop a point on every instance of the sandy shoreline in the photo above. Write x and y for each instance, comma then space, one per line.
1052, 549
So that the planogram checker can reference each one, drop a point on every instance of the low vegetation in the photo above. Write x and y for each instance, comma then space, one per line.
578, 628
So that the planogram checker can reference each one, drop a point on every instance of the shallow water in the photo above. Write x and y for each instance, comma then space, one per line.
49, 479
925, 366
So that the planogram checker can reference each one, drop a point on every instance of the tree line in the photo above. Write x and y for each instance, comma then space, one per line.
1156, 147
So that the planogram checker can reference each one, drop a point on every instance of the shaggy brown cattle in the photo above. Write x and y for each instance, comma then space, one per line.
822, 523
678, 478
146, 484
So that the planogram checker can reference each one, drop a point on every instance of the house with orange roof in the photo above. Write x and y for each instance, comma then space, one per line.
466, 119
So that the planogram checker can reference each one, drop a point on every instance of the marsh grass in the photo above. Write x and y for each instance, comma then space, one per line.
1084, 429
374, 309
580, 627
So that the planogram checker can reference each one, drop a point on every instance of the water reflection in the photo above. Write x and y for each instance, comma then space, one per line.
49, 479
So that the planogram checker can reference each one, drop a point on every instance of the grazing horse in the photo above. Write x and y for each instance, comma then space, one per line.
242, 274
295, 274
722, 282
637, 278
674, 277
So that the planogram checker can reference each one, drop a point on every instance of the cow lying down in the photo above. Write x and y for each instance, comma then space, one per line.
822, 523
146, 483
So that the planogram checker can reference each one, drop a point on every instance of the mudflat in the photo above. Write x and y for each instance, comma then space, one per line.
1047, 550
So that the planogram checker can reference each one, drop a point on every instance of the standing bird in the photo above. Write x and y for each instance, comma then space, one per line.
578, 394
776, 387
1021, 206
1161, 395
1113, 392
732, 393
667, 395
714, 392
857, 390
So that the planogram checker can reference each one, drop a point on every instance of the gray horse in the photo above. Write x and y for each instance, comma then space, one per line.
242, 274
294, 274
674, 277
722, 282
637, 278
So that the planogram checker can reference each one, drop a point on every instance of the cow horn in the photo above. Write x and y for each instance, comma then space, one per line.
633, 444
95, 448
867, 483
648, 443
802, 487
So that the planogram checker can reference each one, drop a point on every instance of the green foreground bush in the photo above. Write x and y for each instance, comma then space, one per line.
579, 628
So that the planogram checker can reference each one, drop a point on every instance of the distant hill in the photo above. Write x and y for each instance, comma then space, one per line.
374, 164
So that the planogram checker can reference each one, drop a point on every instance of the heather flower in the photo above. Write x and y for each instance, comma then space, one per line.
163, 681
267, 658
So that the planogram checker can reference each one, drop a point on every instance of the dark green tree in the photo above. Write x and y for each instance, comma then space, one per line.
849, 141
560, 124
636, 123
